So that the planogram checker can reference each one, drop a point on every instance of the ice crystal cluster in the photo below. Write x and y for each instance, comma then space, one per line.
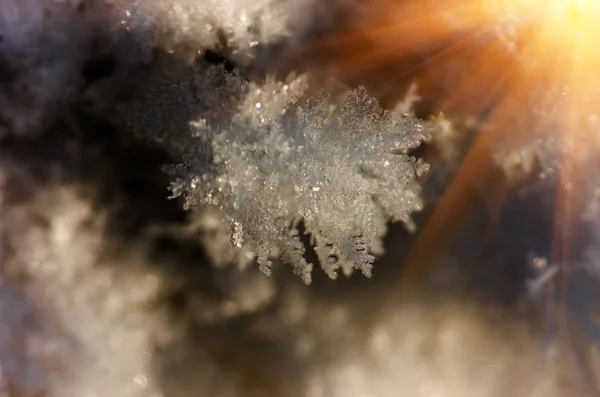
243, 24
277, 157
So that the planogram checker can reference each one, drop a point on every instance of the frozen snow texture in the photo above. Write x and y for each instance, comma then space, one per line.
270, 158
243, 23
45, 44
447, 351
75, 326
238, 27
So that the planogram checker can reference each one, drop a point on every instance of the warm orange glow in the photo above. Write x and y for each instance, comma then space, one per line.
532, 67
545, 66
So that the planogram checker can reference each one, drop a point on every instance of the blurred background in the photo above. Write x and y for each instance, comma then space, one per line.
109, 288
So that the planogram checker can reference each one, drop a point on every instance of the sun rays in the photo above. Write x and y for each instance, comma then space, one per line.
525, 69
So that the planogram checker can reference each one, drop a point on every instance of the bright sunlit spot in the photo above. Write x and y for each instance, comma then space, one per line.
538, 78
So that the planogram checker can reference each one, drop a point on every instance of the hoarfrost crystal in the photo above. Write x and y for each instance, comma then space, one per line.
338, 164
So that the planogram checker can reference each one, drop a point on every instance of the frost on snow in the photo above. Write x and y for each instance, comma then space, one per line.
268, 157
